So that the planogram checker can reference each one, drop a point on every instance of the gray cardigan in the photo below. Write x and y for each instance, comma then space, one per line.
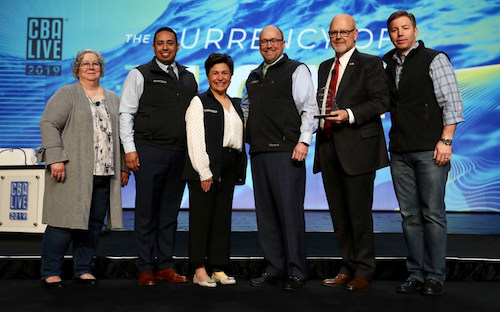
67, 136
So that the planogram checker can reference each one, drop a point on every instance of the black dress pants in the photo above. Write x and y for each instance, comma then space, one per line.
210, 216
350, 199
279, 188
159, 189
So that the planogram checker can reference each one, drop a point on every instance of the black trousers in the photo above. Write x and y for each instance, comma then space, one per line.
210, 216
350, 200
159, 189
279, 188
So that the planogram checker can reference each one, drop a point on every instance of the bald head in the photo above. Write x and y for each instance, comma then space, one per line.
344, 19
343, 34
271, 30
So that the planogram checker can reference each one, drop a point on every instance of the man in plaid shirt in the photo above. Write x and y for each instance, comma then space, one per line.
426, 107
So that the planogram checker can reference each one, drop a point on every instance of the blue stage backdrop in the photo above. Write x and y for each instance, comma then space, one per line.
41, 38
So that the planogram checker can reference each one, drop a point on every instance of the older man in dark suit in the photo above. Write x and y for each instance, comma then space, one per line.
350, 147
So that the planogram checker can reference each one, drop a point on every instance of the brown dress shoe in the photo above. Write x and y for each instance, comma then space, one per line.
171, 276
146, 278
339, 280
358, 284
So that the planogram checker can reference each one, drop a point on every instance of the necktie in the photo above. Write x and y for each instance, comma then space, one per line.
170, 71
264, 70
328, 127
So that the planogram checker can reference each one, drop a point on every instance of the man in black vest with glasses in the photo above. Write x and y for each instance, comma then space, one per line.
279, 107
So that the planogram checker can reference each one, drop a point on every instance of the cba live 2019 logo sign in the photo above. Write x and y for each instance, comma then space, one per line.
44, 42
19, 192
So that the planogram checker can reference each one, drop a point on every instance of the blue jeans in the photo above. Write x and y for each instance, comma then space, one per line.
56, 240
420, 189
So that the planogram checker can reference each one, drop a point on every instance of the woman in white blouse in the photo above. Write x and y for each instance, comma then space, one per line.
216, 163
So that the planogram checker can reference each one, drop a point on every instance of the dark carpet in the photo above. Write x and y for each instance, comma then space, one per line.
125, 295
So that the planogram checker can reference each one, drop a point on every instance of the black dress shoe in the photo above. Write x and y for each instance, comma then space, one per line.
432, 288
410, 286
86, 281
264, 279
52, 285
294, 283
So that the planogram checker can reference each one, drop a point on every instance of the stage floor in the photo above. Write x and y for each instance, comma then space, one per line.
125, 296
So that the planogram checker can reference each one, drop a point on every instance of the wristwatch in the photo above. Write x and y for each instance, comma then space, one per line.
446, 141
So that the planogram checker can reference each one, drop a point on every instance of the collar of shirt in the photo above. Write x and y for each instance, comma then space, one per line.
400, 62
277, 60
343, 62
164, 67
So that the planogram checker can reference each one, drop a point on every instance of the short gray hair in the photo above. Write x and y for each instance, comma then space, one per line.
79, 57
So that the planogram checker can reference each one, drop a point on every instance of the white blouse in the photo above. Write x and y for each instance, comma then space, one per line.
103, 139
195, 129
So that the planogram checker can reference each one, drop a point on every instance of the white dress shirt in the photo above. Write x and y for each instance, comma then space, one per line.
133, 86
343, 60
195, 130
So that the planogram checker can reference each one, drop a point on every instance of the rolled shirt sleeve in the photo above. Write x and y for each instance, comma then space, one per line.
446, 90
304, 96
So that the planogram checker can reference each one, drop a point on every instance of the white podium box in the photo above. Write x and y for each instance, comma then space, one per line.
21, 198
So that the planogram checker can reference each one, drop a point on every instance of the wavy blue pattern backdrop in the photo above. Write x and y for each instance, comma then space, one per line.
41, 38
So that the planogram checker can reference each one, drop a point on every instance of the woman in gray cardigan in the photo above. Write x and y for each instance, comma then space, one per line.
81, 150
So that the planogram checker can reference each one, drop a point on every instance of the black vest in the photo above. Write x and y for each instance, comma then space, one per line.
213, 121
162, 106
417, 119
273, 123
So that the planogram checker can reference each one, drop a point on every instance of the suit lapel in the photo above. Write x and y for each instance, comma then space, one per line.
350, 69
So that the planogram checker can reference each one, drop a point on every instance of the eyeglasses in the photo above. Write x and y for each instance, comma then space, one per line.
89, 65
343, 33
273, 42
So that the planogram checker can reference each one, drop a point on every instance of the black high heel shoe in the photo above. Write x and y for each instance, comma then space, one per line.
86, 281
52, 285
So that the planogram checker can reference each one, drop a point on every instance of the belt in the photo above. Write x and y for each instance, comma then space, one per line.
230, 150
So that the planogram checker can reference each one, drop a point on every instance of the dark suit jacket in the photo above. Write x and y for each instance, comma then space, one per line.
361, 146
